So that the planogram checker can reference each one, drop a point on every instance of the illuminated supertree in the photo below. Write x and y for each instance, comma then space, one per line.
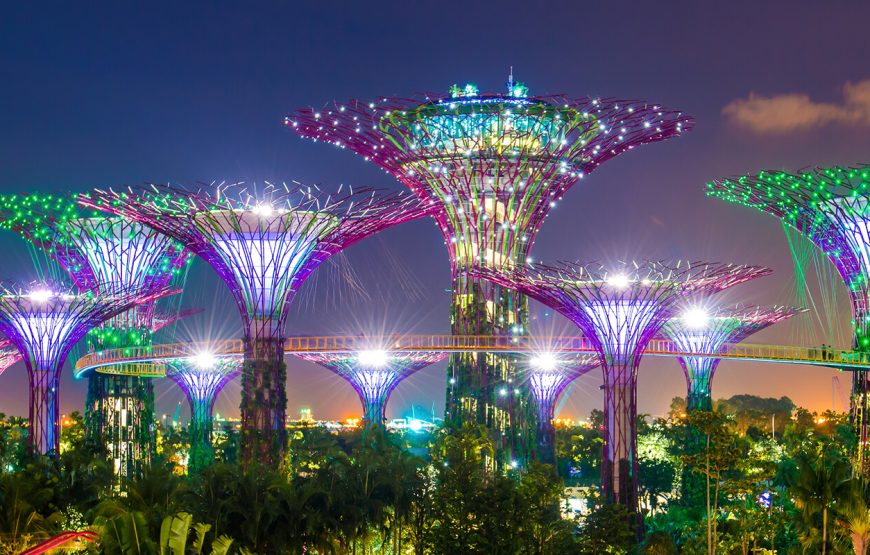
263, 245
697, 331
44, 324
831, 207
548, 376
374, 374
104, 255
494, 165
202, 377
619, 311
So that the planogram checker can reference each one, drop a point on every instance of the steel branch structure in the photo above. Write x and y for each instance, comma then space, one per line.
9, 355
708, 333
44, 324
374, 374
831, 207
201, 378
263, 244
548, 377
105, 255
494, 165
620, 311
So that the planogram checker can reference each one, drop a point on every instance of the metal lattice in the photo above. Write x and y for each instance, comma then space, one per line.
494, 165
263, 244
374, 374
619, 310
831, 207
725, 325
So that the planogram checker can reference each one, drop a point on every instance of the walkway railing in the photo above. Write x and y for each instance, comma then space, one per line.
468, 343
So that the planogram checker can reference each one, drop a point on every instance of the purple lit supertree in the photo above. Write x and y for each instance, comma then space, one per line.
263, 244
103, 255
831, 208
202, 377
44, 325
374, 374
697, 331
548, 377
619, 311
494, 165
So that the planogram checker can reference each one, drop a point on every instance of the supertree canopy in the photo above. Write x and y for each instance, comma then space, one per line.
830, 207
263, 244
104, 255
202, 377
549, 375
619, 310
494, 165
44, 324
9, 355
697, 331
374, 374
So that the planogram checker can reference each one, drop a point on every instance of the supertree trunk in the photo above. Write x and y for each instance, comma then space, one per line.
546, 436
44, 411
373, 411
480, 380
201, 449
619, 467
264, 399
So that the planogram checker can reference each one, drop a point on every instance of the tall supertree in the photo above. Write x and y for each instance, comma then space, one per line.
202, 377
494, 164
263, 244
548, 377
696, 330
374, 374
831, 207
104, 255
44, 323
620, 310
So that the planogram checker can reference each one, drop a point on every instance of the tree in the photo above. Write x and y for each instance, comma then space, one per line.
721, 451
817, 485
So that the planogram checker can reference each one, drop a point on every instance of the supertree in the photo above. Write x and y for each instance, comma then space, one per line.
104, 255
548, 376
44, 324
202, 377
619, 310
263, 244
374, 374
830, 207
696, 330
494, 165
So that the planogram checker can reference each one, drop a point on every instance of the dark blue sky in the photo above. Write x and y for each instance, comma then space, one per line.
101, 94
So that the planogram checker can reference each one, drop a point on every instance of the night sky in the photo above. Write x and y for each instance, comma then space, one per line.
105, 95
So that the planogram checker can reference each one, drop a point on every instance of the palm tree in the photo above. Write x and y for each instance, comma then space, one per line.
818, 485
855, 511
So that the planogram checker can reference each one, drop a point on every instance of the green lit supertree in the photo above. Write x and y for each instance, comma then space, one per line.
104, 255
831, 207
494, 165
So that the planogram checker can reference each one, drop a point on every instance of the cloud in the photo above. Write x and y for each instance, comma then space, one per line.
797, 111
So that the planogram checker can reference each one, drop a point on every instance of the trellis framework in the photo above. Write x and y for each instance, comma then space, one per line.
829, 206
44, 324
494, 165
202, 377
9, 355
105, 255
548, 377
374, 375
620, 310
703, 333
263, 244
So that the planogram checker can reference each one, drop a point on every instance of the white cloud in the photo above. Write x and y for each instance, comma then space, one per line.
797, 111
